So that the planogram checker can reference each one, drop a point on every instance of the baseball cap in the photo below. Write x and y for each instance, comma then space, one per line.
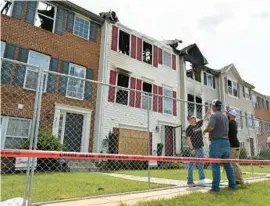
232, 112
216, 102
191, 117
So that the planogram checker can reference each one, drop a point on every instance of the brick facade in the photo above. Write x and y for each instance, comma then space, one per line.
66, 47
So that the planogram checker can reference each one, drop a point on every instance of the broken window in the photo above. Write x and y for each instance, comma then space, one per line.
197, 75
199, 107
147, 96
122, 95
147, 53
124, 42
45, 16
7, 8
194, 106
81, 27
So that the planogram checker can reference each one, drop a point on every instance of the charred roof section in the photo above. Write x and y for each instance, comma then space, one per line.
111, 16
193, 55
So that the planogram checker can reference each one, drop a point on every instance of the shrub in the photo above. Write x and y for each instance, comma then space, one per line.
243, 153
264, 154
47, 142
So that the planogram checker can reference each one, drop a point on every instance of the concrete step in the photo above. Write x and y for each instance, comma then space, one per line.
82, 166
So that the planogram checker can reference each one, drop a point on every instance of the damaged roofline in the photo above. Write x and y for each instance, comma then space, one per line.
73, 7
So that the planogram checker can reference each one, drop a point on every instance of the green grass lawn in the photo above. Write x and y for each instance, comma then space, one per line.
181, 174
56, 186
256, 194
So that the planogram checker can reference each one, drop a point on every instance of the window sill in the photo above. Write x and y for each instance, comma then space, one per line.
70, 97
229, 95
209, 87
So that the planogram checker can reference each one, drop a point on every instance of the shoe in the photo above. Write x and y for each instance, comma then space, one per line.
214, 190
190, 183
204, 182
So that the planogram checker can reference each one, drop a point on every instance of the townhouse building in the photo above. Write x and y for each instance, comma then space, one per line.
203, 84
262, 114
56, 36
138, 68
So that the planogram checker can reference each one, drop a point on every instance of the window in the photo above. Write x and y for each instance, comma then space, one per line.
124, 43
262, 103
167, 58
147, 53
16, 131
246, 92
194, 106
31, 75
81, 27
7, 7
168, 102
233, 88
121, 94
267, 105
45, 16
147, 96
254, 101
75, 87
210, 82
238, 118
249, 120
194, 73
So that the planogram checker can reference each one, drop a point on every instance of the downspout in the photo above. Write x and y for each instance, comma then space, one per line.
103, 66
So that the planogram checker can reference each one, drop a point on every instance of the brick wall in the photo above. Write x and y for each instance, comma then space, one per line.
67, 47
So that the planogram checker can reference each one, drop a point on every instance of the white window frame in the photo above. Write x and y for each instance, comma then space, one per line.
34, 69
212, 76
147, 94
3, 47
247, 94
170, 55
152, 63
171, 99
195, 105
84, 18
54, 19
123, 30
70, 76
232, 88
4, 127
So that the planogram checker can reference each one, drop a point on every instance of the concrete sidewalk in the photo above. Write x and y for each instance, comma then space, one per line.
139, 197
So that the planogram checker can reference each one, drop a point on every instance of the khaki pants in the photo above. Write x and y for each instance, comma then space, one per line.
235, 152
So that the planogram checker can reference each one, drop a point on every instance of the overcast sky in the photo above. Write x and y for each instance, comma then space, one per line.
226, 31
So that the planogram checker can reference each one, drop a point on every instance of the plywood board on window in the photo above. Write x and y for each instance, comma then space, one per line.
133, 142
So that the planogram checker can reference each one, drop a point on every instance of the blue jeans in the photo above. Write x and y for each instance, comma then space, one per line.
220, 148
199, 154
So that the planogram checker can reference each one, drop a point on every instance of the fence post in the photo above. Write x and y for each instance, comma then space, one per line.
148, 145
31, 140
39, 91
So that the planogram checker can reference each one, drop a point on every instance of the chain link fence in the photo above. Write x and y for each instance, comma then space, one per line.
45, 110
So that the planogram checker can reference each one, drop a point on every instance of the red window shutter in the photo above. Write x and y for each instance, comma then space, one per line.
160, 56
174, 103
155, 59
150, 143
160, 99
139, 49
133, 46
111, 96
114, 38
138, 94
155, 97
174, 62
115, 130
132, 92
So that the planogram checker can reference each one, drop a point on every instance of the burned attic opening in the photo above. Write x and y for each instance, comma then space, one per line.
6, 7
124, 42
147, 53
194, 73
122, 95
45, 16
